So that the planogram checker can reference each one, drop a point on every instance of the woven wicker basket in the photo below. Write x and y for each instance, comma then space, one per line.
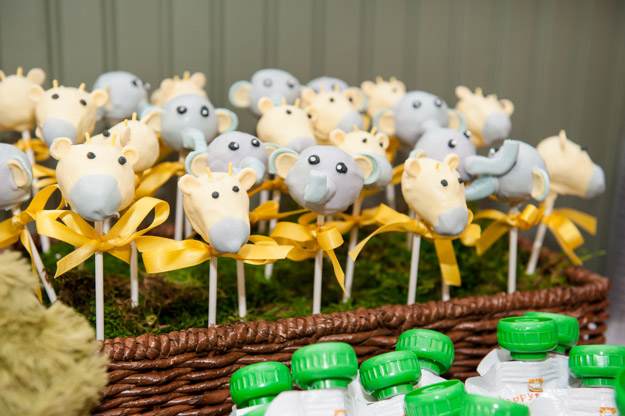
187, 372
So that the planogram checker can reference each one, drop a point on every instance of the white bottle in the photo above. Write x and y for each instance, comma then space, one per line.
323, 372
434, 350
530, 372
253, 387
597, 367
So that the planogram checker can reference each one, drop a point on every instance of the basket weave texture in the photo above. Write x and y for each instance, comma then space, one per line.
187, 372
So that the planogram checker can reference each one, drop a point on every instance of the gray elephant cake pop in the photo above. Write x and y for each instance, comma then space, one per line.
127, 95
18, 176
514, 172
273, 83
413, 115
329, 83
240, 149
324, 179
439, 143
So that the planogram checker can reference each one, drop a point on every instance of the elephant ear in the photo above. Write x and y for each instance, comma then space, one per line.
369, 166
227, 120
21, 173
540, 184
356, 97
239, 94
281, 161
457, 120
385, 121
197, 163
507, 105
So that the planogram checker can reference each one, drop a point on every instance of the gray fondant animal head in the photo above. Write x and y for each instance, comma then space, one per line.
17, 175
324, 179
127, 95
514, 172
413, 115
439, 143
273, 83
329, 84
240, 149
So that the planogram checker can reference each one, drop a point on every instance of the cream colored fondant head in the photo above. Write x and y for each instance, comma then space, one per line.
17, 111
382, 95
286, 125
176, 86
358, 141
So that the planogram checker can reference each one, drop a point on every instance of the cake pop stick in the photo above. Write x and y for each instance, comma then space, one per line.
318, 274
571, 172
99, 288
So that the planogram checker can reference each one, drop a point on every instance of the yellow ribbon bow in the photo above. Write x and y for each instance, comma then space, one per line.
307, 242
562, 223
276, 184
38, 147
163, 254
344, 225
152, 179
391, 220
269, 211
74, 230
45, 176
503, 223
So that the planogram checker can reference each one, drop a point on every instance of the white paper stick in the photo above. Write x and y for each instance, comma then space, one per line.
353, 240
99, 289
264, 197
412, 215
540, 236
241, 289
179, 215
276, 196
43, 239
318, 274
134, 276
414, 268
106, 226
445, 291
212, 292
390, 196
512, 252
188, 230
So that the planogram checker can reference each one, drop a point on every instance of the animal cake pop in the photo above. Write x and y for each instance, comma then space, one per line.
382, 95
327, 83
138, 134
171, 88
127, 95
274, 84
17, 111
571, 172
286, 125
439, 143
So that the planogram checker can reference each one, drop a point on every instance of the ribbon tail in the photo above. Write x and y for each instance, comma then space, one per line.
447, 262
75, 258
567, 246
26, 244
338, 270
491, 234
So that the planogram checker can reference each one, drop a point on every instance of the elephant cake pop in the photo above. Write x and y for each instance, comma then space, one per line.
66, 111
327, 83
382, 95
127, 95
17, 110
171, 88
18, 177
487, 118
274, 84
439, 143
286, 125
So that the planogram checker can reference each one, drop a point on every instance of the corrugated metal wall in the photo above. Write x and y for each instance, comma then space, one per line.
562, 62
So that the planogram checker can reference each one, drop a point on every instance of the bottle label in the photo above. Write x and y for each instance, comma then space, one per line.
535, 385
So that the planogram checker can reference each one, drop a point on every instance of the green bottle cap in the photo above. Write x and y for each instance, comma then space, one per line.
328, 365
568, 329
440, 399
476, 405
527, 338
259, 411
390, 374
434, 350
259, 383
620, 391
596, 365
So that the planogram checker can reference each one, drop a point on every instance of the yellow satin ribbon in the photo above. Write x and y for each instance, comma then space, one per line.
276, 184
502, 223
393, 146
269, 211
38, 147
152, 179
563, 224
45, 176
307, 242
163, 254
344, 225
391, 220
74, 230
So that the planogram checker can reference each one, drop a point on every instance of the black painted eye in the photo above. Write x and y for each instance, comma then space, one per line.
106, 133
181, 109
290, 84
452, 143
364, 140
136, 82
416, 104
331, 99
467, 134
255, 142
460, 180
584, 148
341, 168
83, 102
215, 194
91, 155
313, 159
122, 160
444, 182
235, 188
492, 151
233, 145
204, 111
288, 111
55, 96
438, 102
309, 115
351, 100
381, 145
268, 82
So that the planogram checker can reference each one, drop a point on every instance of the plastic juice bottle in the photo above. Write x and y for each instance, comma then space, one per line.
475, 405
597, 366
387, 378
323, 372
440, 399
619, 388
253, 387
568, 336
434, 350
529, 372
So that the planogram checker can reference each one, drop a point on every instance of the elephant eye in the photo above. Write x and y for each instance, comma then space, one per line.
106, 133
91, 155
268, 82
255, 142
331, 99
235, 188
451, 143
181, 109
467, 134
136, 82
416, 104
341, 168
215, 194
492, 151
364, 140
233, 145
460, 180
288, 111
438, 102
122, 160
313, 159
55, 96
83, 102
290, 84
204, 111
444, 182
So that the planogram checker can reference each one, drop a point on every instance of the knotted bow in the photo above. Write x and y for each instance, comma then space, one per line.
344, 225
163, 254
269, 211
38, 147
563, 224
276, 184
152, 179
69, 227
503, 222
